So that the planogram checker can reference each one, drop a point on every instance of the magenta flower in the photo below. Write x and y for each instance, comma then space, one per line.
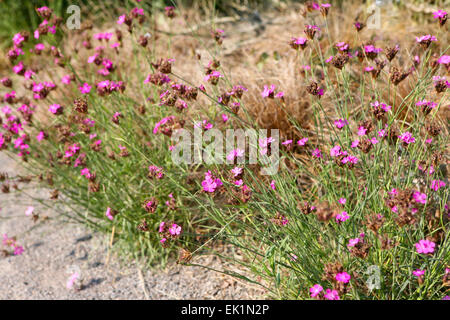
213, 77
66, 79
54, 108
381, 105
340, 123
40, 136
353, 242
342, 217
299, 42
315, 290
87, 173
302, 141
109, 214
236, 153
224, 117
437, 184
420, 197
425, 246
335, 151
18, 39
426, 39
331, 295
272, 184
407, 137
175, 230
121, 19
18, 250
371, 48
349, 159
343, 277
317, 153
342, 46
211, 183
418, 272
361, 131
269, 92
444, 60
236, 171
440, 14
85, 88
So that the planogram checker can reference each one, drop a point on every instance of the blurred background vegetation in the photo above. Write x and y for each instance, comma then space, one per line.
17, 15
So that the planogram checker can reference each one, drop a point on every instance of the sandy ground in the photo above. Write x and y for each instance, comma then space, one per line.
56, 248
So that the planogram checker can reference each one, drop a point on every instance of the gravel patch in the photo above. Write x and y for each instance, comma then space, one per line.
55, 249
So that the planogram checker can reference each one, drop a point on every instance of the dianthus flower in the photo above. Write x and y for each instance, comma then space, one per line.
343, 277
425, 246
315, 290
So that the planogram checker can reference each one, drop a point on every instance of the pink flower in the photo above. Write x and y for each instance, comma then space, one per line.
342, 217
444, 60
420, 197
175, 230
121, 19
340, 123
211, 183
40, 136
315, 290
355, 143
317, 153
352, 242
272, 184
437, 184
85, 88
29, 211
224, 117
439, 14
66, 79
54, 108
370, 48
236, 171
18, 250
342, 201
213, 76
343, 277
236, 153
335, 151
85, 172
300, 41
425, 246
18, 39
407, 137
109, 214
302, 142
418, 272
72, 279
331, 295
361, 131
426, 38
268, 92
